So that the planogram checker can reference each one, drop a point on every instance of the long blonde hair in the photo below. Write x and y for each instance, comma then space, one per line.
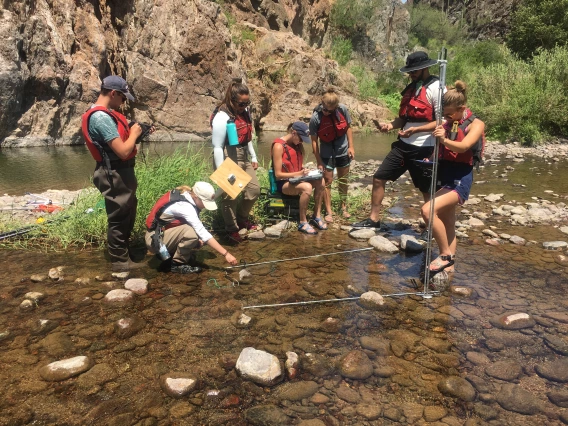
330, 98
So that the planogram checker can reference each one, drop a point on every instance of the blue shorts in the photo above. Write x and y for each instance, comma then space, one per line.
339, 162
457, 177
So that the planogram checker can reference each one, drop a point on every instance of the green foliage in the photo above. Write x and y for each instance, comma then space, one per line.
519, 100
241, 34
341, 49
392, 101
366, 82
431, 28
538, 24
231, 20
473, 55
350, 16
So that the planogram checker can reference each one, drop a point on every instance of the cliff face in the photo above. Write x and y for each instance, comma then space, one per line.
177, 55
486, 19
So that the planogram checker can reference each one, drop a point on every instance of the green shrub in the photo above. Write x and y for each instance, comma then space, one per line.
341, 49
392, 101
350, 16
431, 28
538, 24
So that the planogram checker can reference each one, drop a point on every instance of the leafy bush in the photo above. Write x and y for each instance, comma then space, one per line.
350, 16
431, 28
341, 49
538, 24
366, 82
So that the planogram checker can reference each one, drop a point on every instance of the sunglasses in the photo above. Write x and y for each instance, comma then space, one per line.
122, 96
243, 104
328, 110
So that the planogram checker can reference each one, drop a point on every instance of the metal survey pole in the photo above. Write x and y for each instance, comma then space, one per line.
442, 61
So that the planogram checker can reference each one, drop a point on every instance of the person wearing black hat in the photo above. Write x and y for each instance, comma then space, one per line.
417, 121
112, 143
287, 162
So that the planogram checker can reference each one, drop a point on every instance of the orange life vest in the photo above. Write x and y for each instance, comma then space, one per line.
457, 131
331, 125
154, 219
97, 148
415, 107
292, 158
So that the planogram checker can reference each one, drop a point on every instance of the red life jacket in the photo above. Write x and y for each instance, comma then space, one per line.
416, 107
243, 122
332, 125
95, 147
154, 219
457, 132
292, 158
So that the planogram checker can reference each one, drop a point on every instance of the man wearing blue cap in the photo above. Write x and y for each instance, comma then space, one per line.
112, 143
417, 121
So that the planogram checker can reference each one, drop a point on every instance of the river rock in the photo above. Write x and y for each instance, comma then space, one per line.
375, 344
120, 275
348, 394
362, 234
564, 229
477, 358
259, 366
490, 233
369, 411
473, 221
356, 365
559, 398
507, 370
96, 376
292, 364
56, 274
273, 231
382, 244
64, 369
119, 296
513, 321
34, 296
554, 245
555, 370
266, 415
557, 316
557, 344
296, 391
461, 291
245, 276
434, 413
515, 239
27, 305
243, 320
38, 278
514, 398
128, 327
410, 244
492, 198
508, 338
456, 387
256, 235
177, 384
137, 285
371, 300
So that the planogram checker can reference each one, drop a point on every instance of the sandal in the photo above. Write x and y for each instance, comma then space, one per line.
318, 223
328, 218
439, 266
306, 228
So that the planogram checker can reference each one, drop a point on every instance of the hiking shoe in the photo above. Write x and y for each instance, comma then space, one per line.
247, 224
129, 265
367, 224
235, 237
184, 269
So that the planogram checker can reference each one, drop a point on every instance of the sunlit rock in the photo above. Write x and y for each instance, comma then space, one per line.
34, 296
456, 387
37, 278
382, 244
362, 234
356, 365
410, 244
119, 296
245, 276
292, 363
120, 275
27, 305
513, 321
259, 366
64, 369
82, 281
178, 385
371, 300
137, 285
554, 245
461, 291
244, 320
56, 274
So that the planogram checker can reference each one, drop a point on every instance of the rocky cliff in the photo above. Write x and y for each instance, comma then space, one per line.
486, 19
177, 55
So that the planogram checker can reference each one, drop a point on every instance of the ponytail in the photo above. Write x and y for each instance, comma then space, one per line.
235, 89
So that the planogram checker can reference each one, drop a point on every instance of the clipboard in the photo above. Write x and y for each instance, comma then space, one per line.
230, 178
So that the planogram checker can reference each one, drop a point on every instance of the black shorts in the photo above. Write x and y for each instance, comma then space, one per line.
339, 162
400, 159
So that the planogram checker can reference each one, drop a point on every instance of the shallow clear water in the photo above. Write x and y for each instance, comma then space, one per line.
413, 345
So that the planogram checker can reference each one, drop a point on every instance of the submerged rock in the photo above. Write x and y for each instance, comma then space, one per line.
38, 278
514, 398
292, 364
128, 327
507, 370
178, 385
513, 321
266, 415
297, 391
362, 234
556, 371
371, 300
34, 296
554, 245
410, 244
137, 285
56, 274
356, 365
456, 387
64, 369
119, 296
27, 305
383, 245
259, 366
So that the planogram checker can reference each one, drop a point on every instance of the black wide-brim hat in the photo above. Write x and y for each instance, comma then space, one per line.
417, 61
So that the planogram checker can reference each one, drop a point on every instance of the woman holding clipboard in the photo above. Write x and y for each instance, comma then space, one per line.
287, 162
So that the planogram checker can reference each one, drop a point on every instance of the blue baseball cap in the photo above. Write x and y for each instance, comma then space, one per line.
302, 130
114, 82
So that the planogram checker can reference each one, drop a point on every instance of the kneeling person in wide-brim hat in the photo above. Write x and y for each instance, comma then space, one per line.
174, 224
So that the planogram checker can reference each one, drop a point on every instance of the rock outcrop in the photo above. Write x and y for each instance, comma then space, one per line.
178, 57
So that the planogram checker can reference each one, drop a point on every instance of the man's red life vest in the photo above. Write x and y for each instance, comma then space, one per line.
331, 125
457, 132
243, 122
154, 219
292, 158
415, 107
123, 132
